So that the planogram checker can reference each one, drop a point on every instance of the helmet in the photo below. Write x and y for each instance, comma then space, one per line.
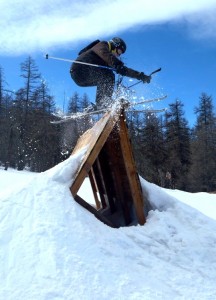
119, 44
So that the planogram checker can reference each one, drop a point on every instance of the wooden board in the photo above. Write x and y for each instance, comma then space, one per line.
134, 182
93, 140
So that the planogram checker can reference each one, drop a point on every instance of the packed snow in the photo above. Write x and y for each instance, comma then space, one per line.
51, 248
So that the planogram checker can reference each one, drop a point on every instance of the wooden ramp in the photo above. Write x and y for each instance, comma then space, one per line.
111, 169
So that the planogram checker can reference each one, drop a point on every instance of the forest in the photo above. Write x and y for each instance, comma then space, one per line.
167, 151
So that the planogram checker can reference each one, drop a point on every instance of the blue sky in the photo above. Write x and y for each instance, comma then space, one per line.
178, 36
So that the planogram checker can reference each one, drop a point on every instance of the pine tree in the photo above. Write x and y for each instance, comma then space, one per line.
203, 174
135, 126
44, 137
86, 122
33, 141
70, 130
1, 92
5, 121
177, 137
84, 102
74, 103
148, 146
153, 149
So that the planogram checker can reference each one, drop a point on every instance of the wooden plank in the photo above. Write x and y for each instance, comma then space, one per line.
131, 170
94, 140
91, 209
100, 184
121, 184
94, 188
106, 174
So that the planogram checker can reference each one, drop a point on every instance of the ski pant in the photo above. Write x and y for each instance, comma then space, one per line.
88, 76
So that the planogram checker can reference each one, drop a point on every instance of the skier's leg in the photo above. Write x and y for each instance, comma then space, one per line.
103, 79
105, 87
81, 75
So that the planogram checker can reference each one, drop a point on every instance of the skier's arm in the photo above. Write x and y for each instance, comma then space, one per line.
103, 51
124, 71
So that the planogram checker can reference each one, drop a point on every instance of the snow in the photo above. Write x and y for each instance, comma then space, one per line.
51, 248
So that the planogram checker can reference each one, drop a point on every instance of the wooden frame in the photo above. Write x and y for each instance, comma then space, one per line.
110, 165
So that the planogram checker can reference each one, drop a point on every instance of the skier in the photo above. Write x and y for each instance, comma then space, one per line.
105, 54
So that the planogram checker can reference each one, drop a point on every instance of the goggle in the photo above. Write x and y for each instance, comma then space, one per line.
119, 51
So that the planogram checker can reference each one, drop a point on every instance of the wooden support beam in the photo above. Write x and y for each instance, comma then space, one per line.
94, 188
131, 170
100, 184
105, 172
91, 209
118, 173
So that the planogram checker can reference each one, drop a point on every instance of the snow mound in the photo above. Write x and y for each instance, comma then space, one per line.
52, 248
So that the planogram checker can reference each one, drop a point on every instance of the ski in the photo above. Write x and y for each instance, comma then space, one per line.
148, 110
77, 115
148, 101
128, 105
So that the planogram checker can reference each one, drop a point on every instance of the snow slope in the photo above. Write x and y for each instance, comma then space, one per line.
53, 249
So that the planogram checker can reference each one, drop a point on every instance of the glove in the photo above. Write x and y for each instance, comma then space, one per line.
144, 78
120, 69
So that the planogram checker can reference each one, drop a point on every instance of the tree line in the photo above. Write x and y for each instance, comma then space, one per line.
167, 151
173, 155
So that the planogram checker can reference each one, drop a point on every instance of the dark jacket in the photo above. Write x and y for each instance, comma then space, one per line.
101, 54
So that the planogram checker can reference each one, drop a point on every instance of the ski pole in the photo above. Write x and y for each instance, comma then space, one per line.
78, 62
158, 70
